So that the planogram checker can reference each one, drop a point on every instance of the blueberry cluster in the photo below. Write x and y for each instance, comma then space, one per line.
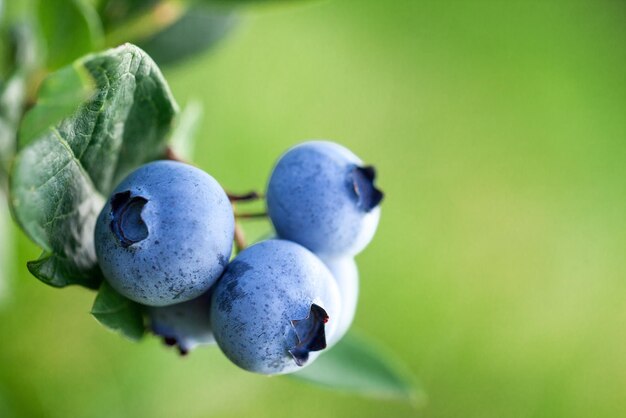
164, 239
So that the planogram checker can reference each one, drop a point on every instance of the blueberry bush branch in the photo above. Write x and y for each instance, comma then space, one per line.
245, 197
256, 215
98, 120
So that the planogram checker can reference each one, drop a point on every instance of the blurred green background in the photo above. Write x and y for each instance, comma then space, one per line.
498, 272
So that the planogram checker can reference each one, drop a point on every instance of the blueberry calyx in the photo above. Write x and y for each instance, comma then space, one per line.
126, 221
173, 342
311, 334
368, 196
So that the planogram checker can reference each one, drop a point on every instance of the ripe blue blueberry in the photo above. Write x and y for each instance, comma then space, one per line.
321, 196
185, 325
165, 235
274, 308
346, 275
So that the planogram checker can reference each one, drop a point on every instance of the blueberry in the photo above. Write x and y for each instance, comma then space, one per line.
274, 308
165, 235
321, 196
185, 325
346, 275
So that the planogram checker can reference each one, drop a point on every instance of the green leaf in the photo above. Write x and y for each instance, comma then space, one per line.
12, 96
59, 176
55, 201
115, 12
24, 46
356, 364
139, 20
13, 93
199, 29
118, 313
60, 96
59, 273
18, 49
70, 28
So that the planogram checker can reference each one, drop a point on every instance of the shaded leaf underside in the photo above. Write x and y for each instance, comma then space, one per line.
118, 313
205, 25
357, 364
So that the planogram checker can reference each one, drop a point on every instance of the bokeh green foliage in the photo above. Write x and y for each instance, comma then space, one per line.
499, 134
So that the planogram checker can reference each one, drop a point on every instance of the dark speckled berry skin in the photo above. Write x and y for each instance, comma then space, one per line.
165, 234
263, 289
186, 324
312, 199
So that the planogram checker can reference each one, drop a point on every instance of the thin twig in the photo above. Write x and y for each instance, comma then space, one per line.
259, 215
164, 14
245, 197
240, 239
170, 154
